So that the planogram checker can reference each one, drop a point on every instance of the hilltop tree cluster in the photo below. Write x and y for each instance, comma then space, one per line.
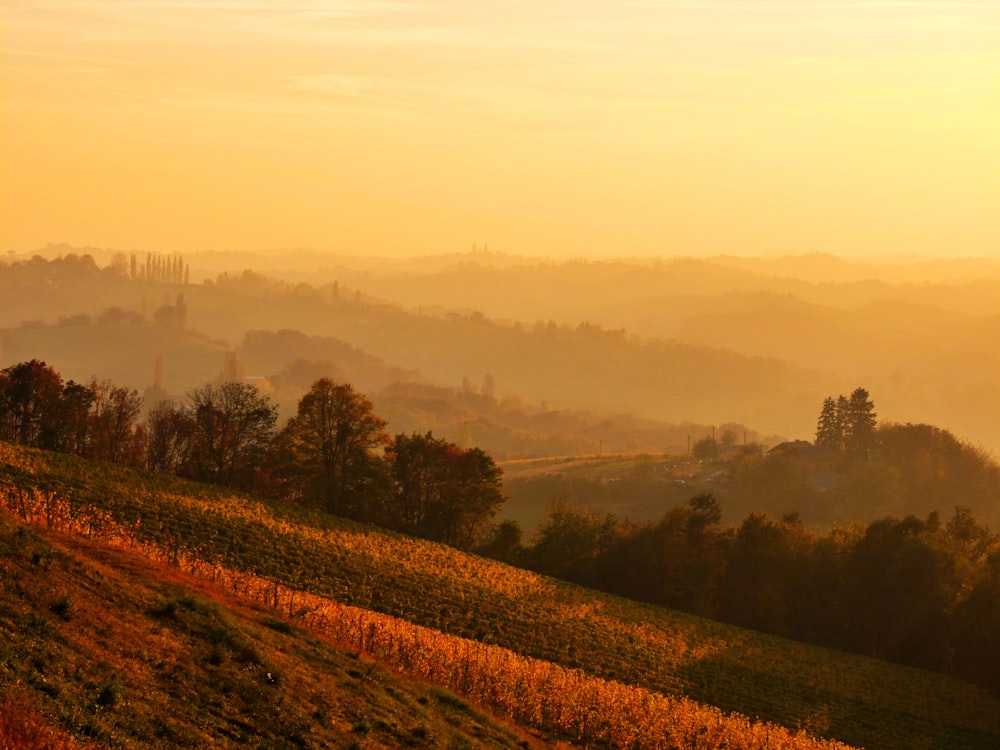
863, 471
847, 425
920, 591
334, 454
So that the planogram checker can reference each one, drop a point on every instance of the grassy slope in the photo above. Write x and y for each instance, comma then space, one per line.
122, 652
860, 701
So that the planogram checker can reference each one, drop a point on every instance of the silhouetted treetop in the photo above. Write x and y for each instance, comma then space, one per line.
848, 424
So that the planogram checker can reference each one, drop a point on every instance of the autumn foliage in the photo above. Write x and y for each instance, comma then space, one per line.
537, 693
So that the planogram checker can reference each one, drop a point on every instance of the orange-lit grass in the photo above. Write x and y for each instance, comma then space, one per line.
212, 665
21, 728
832, 694
530, 691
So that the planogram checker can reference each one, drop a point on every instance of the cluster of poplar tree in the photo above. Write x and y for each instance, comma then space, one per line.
335, 453
166, 269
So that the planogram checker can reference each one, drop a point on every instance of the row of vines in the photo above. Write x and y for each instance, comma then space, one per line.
530, 691
856, 700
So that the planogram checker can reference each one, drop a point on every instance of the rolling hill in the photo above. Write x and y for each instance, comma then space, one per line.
722, 339
106, 648
576, 367
568, 662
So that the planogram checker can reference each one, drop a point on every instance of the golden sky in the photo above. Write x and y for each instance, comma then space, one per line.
567, 127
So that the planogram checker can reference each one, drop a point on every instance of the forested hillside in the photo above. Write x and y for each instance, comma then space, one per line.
705, 341
579, 366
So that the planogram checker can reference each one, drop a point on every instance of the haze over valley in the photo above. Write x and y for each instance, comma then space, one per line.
415, 373
703, 341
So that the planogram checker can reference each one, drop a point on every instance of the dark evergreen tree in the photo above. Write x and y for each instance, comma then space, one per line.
859, 424
848, 424
830, 427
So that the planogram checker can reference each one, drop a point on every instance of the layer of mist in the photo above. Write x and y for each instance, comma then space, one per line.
703, 341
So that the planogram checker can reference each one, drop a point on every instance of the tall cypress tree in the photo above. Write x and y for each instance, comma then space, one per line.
830, 426
848, 424
859, 423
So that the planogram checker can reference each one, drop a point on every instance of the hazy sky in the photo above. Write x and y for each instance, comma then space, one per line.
578, 127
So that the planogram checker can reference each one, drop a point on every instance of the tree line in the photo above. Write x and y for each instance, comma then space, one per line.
918, 591
922, 590
335, 453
